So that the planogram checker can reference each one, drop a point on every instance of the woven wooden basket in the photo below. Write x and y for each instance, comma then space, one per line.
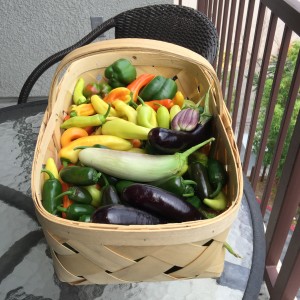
87, 253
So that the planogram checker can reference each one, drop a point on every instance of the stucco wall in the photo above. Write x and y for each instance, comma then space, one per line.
32, 30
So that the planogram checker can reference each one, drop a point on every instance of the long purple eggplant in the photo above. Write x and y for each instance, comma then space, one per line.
168, 141
123, 215
160, 202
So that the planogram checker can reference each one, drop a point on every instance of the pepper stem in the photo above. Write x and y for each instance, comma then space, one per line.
217, 191
51, 176
230, 250
63, 194
189, 182
62, 209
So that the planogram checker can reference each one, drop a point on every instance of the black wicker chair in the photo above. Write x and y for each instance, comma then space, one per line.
176, 24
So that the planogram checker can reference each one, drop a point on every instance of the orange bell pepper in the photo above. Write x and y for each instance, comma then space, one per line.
120, 93
136, 85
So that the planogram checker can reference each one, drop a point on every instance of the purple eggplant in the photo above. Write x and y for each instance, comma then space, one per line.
123, 215
168, 141
186, 120
159, 202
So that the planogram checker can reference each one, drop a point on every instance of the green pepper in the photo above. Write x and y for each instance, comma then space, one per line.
199, 173
199, 157
76, 210
78, 195
176, 185
78, 175
218, 203
51, 189
95, 192
85, 218
144, 114
205, 211
120, 73
159, 88
85, 121
109, 194
217, 176
105, 88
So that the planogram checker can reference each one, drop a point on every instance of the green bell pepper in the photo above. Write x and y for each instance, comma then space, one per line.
159, 88
120, 73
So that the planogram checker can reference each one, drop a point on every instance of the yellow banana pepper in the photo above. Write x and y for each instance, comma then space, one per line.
125, 110
178, 99
101, 106
125, 129
116, 143
51, 166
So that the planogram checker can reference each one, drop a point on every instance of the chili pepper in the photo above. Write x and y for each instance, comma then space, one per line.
78, 195
174, 110
84, 121
51, 189
51, 166
136, 85
144, 115
218, 203
194, 200
95, 192
71, 134
207, 212
76, 210
217, 176
101, 106
78, 175
163, 117
109, 194
70, 153
159, 88
123, 184
120, 93
178, 99
85, 218
78, 97
176, 185
199, 174
85, 109
120, 73
66, 201
126, 110
155, 104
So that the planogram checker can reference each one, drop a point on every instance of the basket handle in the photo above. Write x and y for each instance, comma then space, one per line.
55, 58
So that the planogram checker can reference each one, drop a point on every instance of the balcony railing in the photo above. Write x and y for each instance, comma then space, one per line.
259, 70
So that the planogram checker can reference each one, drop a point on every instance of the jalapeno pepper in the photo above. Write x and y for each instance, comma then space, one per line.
109, 194
78, 175
159, 88
78, 195
120, 73
176, 185
199, 173
51, 189
217, 176
76, 210
85, 218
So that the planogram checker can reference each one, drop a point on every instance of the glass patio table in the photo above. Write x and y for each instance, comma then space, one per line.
26, 269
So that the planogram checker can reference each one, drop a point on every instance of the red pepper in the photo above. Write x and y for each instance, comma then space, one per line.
155, 104
66, 201
136, 85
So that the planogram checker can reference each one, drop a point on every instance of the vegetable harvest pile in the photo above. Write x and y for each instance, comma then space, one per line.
135, 151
